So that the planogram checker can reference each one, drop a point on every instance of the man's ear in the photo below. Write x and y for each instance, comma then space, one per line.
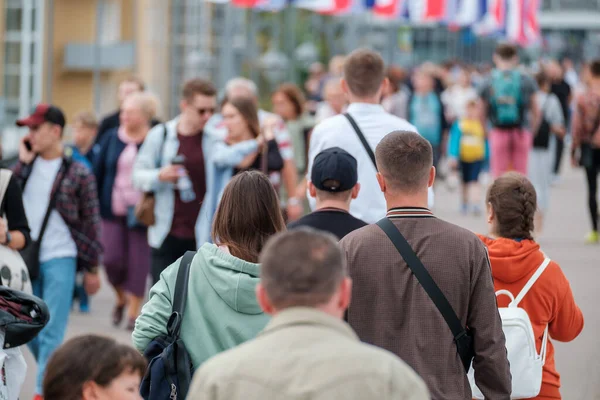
431, 177
344, 85
381, 182
345, 293
355, 190
312, 190
263, 299
385, 85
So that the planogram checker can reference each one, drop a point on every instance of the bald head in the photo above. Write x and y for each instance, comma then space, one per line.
404, 159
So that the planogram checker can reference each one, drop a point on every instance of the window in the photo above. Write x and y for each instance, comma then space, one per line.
23, 57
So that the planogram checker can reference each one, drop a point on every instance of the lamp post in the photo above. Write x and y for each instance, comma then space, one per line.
274, 65
307, 54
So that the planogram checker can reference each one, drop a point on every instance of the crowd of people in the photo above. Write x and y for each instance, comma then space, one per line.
294, 212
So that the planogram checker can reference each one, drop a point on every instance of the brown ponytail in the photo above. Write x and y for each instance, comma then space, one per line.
514, 201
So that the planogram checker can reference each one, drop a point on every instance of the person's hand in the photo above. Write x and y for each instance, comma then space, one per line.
3, 230
170, 173
574, 161
269, 127
91, 283
25, 155
294, 209
453, 164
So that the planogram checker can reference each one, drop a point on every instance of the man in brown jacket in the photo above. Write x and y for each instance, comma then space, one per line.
390, 308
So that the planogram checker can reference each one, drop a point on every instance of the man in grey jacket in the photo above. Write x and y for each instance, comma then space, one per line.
306, 351
176, 216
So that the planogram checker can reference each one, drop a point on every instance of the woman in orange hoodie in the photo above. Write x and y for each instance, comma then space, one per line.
515, 256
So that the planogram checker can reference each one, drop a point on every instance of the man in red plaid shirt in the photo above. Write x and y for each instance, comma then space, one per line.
61, 204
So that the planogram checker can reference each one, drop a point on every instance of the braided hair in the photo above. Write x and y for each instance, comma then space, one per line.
514, 201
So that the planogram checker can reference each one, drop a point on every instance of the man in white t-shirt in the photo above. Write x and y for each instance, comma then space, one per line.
55, 184
364, 82
242, 87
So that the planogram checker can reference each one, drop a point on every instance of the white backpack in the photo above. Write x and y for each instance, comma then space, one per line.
525, 363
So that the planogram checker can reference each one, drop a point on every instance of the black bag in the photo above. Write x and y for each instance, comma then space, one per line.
542, 138
462, 336
22, 316
31, 253
362, 138
170, 371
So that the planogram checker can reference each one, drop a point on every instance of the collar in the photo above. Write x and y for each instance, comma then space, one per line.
336, 209
297, 316
365, 108
409, 212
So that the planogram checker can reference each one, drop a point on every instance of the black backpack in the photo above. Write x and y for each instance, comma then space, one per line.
542, 137
170, 371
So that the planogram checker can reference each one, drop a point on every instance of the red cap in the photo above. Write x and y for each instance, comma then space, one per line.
44, 113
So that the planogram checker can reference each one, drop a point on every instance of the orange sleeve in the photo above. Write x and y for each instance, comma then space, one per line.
567, 323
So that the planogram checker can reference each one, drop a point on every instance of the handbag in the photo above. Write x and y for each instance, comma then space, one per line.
170, 368
13, 270
31, 253
462, 336
144, 209
542, 137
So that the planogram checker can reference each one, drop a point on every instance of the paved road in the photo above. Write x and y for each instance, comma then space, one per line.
567, 224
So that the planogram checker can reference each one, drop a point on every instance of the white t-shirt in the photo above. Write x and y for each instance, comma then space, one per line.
57, 241
375, 123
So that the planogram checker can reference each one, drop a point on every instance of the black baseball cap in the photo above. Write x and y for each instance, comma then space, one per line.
334, 164
44, 113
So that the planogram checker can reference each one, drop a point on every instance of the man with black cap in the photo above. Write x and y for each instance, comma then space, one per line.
61, 204
334, 184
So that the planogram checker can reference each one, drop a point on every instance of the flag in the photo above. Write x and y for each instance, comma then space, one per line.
531, 24
390, 8
246, 3
515, 21
464, 13
427, 10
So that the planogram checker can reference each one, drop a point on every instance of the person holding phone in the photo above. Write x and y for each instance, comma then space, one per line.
62, 191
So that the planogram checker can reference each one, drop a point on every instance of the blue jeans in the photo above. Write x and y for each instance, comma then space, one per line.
55, 286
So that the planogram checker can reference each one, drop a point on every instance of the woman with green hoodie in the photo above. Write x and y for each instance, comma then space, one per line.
221, 310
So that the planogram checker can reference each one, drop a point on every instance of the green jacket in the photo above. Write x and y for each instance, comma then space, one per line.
303, 354
221, 310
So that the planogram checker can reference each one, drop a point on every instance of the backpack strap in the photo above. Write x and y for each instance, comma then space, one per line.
362, 139
530, 283
180, 294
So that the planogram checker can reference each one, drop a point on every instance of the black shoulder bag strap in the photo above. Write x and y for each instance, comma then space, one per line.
64, 170
362, 139
180, 294
462, 338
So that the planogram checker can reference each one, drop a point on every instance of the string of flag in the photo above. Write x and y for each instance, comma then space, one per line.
512, 20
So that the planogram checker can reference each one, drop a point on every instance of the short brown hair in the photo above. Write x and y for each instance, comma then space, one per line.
88, 358
514, 201
542, 79
294, 95
594, 68
137, 80
404, 159
247, 107
195, 87
506, 51
364, 71
301, 268
248, 215
87, 119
